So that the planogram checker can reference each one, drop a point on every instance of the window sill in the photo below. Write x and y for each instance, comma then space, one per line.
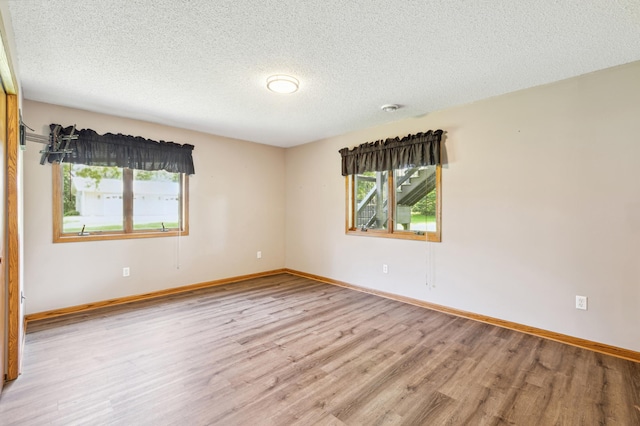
433, 237
97, 236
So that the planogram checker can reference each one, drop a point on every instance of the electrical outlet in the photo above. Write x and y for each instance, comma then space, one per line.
125, 271
259, 255
385, 268
581, 302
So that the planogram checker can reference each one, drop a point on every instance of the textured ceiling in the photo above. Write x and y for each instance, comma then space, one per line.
203, 64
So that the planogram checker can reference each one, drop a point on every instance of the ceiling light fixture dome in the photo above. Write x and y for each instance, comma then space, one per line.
390, 107
282, 83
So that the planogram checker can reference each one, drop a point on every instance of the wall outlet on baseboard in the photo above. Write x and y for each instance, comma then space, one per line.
385, 268
581, 302
259, 255
125, 271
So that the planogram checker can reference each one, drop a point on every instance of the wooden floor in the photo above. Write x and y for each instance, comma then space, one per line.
285, 350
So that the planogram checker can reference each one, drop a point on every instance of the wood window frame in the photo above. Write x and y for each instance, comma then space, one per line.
127, 197
390, 232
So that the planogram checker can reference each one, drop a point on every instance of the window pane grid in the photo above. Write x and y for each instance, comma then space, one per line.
416, 199
156, 200
92, 199
371, 200
403, 203
94, 202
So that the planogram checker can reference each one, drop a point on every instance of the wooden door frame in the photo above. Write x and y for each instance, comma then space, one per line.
14, 346
4, 304
12, 253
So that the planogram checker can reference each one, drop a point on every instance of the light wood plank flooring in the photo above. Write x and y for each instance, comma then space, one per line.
285, 350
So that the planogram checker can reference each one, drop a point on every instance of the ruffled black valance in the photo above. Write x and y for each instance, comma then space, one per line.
120, 150
422, 149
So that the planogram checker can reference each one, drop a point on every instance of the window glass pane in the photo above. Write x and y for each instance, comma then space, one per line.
156, 199
91, 198
416, 199
371, 192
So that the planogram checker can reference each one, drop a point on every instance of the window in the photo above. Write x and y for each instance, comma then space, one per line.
394, 187
96, 202
116, 186
401, 203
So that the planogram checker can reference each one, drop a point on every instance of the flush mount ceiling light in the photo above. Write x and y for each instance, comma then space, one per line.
389, 107
282, 84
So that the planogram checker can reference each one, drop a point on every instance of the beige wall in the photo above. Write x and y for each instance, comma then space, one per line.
236, 208
541, 202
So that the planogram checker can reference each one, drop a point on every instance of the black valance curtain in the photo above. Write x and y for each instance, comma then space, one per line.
120, 150
422, 149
